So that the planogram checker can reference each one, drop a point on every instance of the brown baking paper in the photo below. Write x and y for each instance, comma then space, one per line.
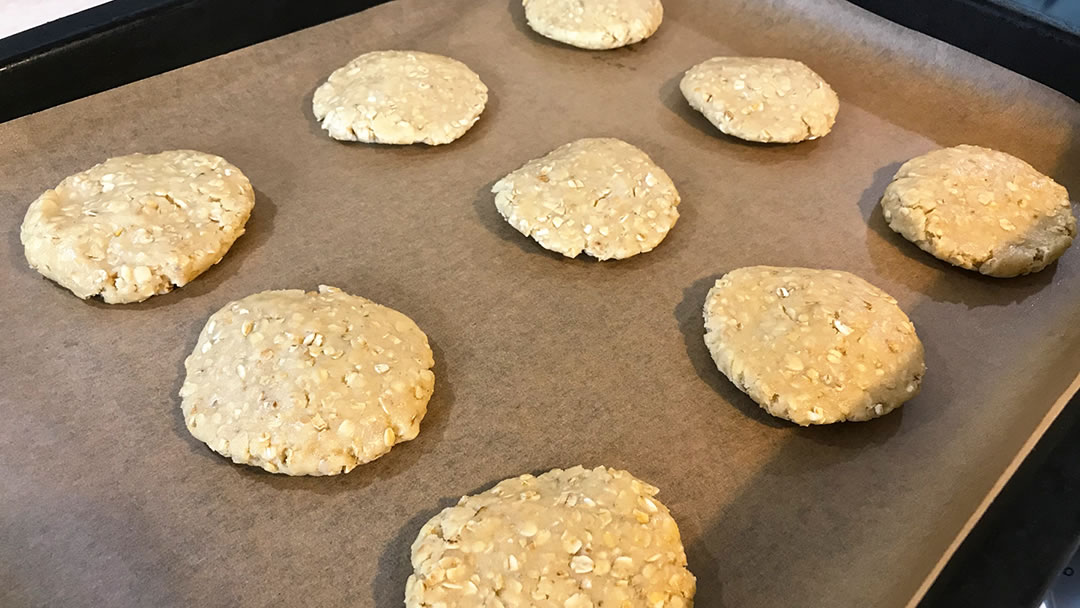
541, 361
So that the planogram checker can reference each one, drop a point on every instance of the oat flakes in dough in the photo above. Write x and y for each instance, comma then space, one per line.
307, 383
400, 97
594, 24
138, 225
573, 538
980, 209
762, 99
601, 196
813, 346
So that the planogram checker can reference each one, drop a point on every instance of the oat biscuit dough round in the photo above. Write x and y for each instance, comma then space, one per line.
138, 225
594, 24
980, 209
571, 538
307, 383
762, 99
400, 97
813, 346
601, 196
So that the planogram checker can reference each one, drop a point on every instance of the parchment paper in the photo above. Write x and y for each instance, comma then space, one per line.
106, 500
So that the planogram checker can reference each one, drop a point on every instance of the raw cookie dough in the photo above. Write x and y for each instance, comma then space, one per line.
138, 225
573, 538
400, 97
762, 99
980, 209
594, 24
601, 196
813, 346
307, 383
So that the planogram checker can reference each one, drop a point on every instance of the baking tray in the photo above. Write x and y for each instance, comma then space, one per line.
541, 361
1010, 33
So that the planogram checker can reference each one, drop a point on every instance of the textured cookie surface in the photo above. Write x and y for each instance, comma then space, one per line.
980, 209
307, 383
762, 99
813, 346
573, 538
138, 225
400, 97
594, 24
601, 196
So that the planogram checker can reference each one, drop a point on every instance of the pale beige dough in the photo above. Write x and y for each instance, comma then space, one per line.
601, 196
400, 97
307, 383
138, 225
574, 538
762, 99
813, 346
980, 209
594, 24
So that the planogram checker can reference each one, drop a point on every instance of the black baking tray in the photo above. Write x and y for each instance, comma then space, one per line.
1032, 527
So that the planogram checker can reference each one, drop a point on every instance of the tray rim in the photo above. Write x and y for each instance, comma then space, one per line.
1071, 394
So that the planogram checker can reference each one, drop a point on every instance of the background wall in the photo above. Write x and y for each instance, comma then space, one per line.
19, 15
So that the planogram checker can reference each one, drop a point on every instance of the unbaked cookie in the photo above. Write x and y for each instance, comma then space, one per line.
980, 209
594, 24
138, 225
813, 346
400, 97
601, 196
573, 538
307, 383
762, 99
